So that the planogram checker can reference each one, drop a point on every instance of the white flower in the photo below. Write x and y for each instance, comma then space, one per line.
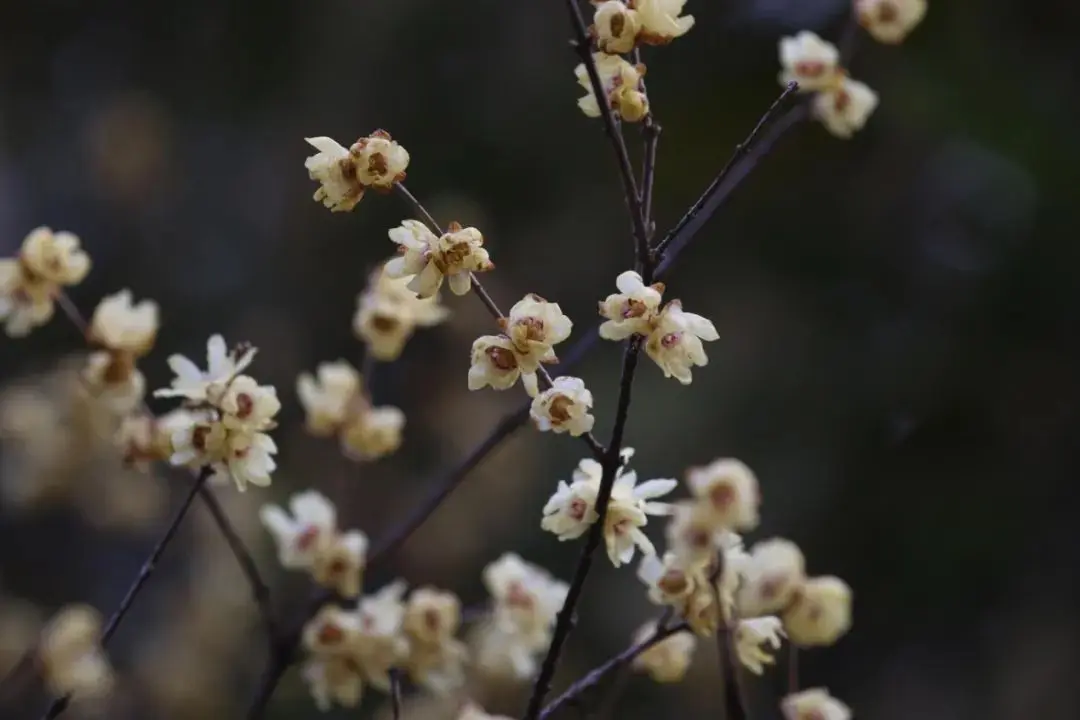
333, 680
436, 659
381, 646
388, 313
819, 613
890, 21
660, 20
730, 490
532, 329
564, 407
333, 631
809, 61
632, 310
201, 440
493, 362
248, 459
339, 563
431, 258
616, 27
26, 302
814, 704
675, 341
753, 637
373, 433
525, 597
692, 533
774, 571
114, 381
222, 366
570, 511
54, 257
622, 86
328, 396
247, 406
343, 174
124, 326
845, 109
70, 654
303, 535
381, 162
668, 660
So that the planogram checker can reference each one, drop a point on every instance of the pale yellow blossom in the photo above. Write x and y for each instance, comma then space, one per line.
328, 396
774, 572
819, 612
70, 655
564, 407
615, 27
890, 21
622, 84
675, 341
632, 310
754, 639
344, 174
305, 532
810, 61
388, 313
668, 660
730, 490
123, 326
431, 258
814, 704
373, 433
845, 108
662, 20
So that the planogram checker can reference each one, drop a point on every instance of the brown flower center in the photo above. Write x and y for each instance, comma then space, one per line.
559, 409
722, 495
674, 582
330, 634
577, 509
245, 405
377, 164
671, 340
810, 68
501, 358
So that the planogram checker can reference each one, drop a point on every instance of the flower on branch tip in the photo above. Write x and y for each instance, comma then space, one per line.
661, 20
631, 310
70, 655
222, 365
431, 258
844, 108
615, 27
814, 704
622, 86
572, 508
810, 61
819, 612
123, 326
113, 380
890, 21
530, 333
388, 312
564, 407
668, 660
344, 174
303, 532
729, 489
144, 439
754, 638
774, 570
30, 283
675, 341
436, 658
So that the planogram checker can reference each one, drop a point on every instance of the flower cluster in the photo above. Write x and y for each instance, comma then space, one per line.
344, 174
70, 655
336, 404
617, 28
229, 414
525, 600
530, 333
31, 282
673, 338
308, 539
572, 509
429, 259
388, 312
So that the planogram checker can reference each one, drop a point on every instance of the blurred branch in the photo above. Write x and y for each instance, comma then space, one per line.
60, 704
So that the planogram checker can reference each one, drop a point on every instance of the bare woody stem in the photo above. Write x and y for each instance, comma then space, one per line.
544, 377
149, 565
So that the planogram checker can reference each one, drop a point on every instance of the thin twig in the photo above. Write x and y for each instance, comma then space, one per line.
598, 673
793, 668
742, 161
650, 130
149, 565
395, 692
478, 289
259, 589
583, 46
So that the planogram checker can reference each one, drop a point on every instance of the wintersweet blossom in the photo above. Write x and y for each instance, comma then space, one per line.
30, 283
388, 313
774, 571
668, 660
623, 89
632, 310
730, 490
531, 330
222, 365
246, 457
615, 27
344, 174
333, 680
572, 508
819, 612
890, 21
374, 433
436, 658
753, 640
845, 108
328, 396
144, 439
431, 258
662, 20
113, 380
382, 645
123, 326
814, 704
525, 598
564, 407
675, 341
303, 532
340, 564
669, 581
810, 61
70, 655
248, 407
333, 630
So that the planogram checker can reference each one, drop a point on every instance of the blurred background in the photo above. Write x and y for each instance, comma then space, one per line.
897, 317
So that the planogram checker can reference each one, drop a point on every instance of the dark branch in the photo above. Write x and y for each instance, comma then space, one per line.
149, 565
395, 692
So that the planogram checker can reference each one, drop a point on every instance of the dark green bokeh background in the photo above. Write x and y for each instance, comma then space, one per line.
898, 352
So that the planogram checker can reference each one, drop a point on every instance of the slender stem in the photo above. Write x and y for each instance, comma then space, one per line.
478, 289
583, 46
565, 620
259, 589
650, 130
793, 668
395, 692
149, 565
598, 673
742, 161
